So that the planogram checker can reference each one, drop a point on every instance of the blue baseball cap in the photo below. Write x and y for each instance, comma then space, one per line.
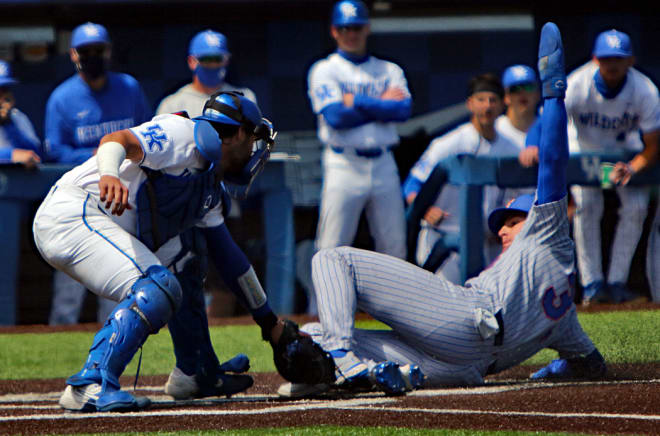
208, 43
350, 13
89, 33
497, 217
5, 74
612, 44
518, 75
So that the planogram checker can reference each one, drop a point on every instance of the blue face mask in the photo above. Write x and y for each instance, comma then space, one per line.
211, 77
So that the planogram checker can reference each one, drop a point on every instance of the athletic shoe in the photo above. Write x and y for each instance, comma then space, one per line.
226, 386
184, 387
88, 398
413, 376
387, 377
551, 62
181, 386
619, 293
80, 398
301, 390
349, 367
557, 369
594, 292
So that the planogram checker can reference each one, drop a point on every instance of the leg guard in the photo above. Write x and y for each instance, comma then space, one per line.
149, 304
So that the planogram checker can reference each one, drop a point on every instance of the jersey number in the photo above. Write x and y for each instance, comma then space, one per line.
555, 306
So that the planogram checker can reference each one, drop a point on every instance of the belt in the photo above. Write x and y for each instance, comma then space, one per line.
369, 153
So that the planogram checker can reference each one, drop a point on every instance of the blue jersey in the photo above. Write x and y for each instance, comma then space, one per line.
17, 133
77, 117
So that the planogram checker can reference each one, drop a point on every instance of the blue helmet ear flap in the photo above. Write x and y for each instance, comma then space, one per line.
207, 141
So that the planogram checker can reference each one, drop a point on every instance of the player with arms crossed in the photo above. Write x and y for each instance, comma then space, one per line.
459, 334
358, 98
113, 223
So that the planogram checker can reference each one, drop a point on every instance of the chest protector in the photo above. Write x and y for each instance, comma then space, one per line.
168, 205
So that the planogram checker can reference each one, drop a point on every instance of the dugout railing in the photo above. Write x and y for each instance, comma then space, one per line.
471, 173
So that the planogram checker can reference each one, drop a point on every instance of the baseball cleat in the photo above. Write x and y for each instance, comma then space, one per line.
387, 377
619, 293
181, 386
551, 62
184, 387
413, 376
594, 292
88, 398
349, 367
80, 398
557, 369
301, 390
238, 364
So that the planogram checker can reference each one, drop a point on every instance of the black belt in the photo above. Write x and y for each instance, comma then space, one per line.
369, 153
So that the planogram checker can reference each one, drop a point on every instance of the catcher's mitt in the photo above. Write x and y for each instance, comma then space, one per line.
301, 360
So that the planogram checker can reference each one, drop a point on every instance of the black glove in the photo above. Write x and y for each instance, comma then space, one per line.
301, 360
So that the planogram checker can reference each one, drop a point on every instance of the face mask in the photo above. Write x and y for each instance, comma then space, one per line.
92, 67
211, 77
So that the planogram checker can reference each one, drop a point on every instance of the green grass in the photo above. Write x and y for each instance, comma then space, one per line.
324, 430
622, 337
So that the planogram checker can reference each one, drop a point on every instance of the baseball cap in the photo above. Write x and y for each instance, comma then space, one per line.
5, 74
497, 217
612, 43
208, 43
89, 33
350, 13
518, 75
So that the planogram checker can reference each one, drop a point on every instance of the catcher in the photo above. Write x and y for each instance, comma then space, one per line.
113, 223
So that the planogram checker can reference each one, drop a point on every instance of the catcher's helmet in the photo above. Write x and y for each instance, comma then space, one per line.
231, 108
350, 13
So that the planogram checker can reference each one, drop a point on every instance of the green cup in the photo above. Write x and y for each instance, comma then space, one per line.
605, 171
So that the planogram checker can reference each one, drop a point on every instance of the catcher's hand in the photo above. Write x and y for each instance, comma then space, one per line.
299, 359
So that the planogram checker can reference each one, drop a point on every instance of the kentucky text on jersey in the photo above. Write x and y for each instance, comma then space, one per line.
97, 131
625, 122
371, 89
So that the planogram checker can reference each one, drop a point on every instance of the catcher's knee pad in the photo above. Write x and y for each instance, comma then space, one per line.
146, 309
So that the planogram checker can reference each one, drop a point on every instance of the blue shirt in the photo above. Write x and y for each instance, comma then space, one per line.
77, 117
17, 132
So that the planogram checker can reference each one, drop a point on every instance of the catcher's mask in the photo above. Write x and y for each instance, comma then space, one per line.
228, 111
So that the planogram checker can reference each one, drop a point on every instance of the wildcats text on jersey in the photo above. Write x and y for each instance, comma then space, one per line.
625, 122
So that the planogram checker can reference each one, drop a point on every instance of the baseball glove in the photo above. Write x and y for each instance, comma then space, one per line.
301, 360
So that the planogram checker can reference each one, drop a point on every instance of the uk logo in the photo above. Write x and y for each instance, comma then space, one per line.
323, 92
155, 137
613, 41
212, 40
519, 72
348, 10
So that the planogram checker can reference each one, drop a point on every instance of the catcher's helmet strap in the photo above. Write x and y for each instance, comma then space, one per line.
235, 114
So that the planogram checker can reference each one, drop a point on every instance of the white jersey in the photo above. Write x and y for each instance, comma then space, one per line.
330, 78
465, 139
505, 128
597, 123
188, 99
168, 145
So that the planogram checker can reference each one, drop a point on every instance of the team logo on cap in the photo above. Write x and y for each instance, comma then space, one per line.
519, 72
91, 30
4, 71
348, 10
212, 39
613, 41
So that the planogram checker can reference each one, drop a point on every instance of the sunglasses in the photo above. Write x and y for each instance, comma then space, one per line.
529, 87
353, 28
219, 59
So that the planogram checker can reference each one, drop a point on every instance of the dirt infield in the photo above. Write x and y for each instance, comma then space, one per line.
628, 401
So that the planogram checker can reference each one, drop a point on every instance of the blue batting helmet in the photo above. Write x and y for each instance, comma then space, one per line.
497, 217
350, 13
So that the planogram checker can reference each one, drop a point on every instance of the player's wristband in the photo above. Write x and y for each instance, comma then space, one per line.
109, 157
